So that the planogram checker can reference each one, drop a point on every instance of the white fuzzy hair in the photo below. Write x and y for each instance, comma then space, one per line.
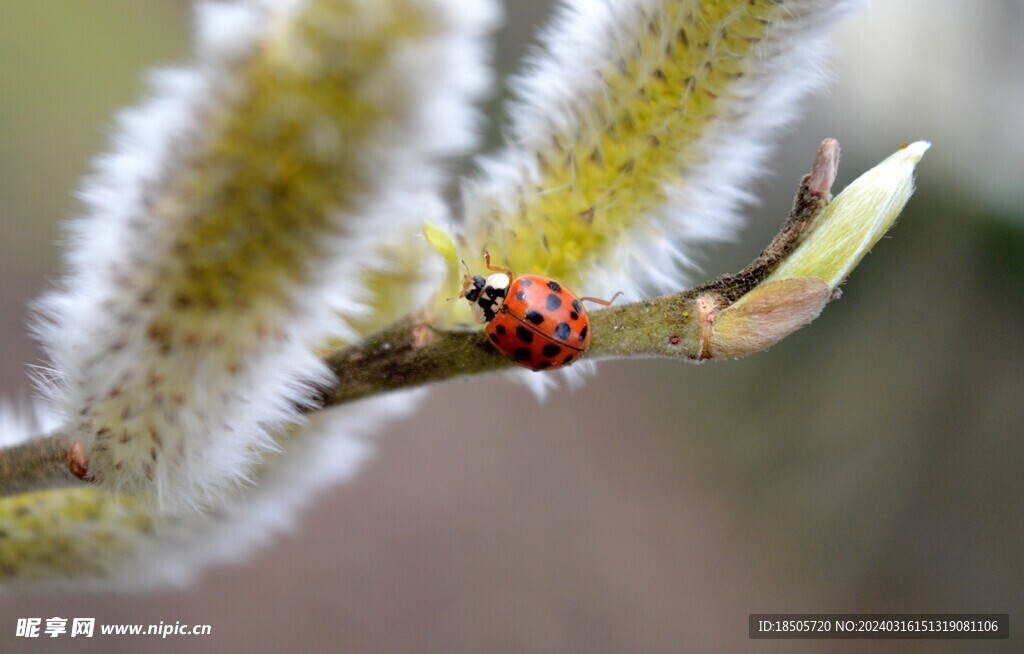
95, 332
660, 255
23, 420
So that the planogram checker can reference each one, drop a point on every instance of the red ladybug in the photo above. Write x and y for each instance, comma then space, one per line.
533, 320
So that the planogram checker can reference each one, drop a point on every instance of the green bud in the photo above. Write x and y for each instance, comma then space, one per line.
854, 221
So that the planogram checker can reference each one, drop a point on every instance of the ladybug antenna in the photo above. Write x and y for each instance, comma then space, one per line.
487, 260
597, 300
467, 282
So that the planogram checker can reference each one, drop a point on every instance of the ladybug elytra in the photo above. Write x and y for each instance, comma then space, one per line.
531, 319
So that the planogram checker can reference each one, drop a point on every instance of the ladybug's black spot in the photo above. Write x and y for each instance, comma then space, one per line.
534, 316
551, 350
553, 302
525, 282
494, 338
562, 331
583, 333
555, 286
520, 295
567, 360
522, 354
576, 306
573, 315
500, 329
478, 285
543, 364
524, 334
495, 293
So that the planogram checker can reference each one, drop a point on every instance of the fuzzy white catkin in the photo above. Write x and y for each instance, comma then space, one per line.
565, 108
21, 421
602, 71
223, 238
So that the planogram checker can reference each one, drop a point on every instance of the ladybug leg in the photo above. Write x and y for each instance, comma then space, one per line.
603, 303
487, 260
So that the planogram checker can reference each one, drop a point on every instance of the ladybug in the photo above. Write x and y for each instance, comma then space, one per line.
531, 319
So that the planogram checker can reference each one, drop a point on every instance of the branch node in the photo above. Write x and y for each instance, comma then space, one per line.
78, 463
422, 336
708, 305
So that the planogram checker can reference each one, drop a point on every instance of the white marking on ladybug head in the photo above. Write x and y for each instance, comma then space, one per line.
498, 281
478, 312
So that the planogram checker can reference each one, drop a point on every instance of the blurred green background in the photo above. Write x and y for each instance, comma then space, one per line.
872, 462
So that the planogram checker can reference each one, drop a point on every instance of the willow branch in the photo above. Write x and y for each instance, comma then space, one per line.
674, 326
730, 316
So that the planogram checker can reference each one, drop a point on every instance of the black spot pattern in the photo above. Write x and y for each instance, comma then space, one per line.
522, 354
474, 293
567, 360
553, 302
574, 316
534, 316
555, 286
543, 364
551, 350
520, 295
500, 329
494, 338
576, 306
525, 282
524, 334
495, 293
562, 331
583, 332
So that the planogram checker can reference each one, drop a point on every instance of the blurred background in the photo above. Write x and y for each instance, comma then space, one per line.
871, 462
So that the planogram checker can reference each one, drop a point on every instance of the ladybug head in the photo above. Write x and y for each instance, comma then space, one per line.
485, 296
490, 296
471, 287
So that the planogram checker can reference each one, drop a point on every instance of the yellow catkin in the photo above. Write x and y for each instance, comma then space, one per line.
259, 198
68, 532
253, 199
245, 220
639, 131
